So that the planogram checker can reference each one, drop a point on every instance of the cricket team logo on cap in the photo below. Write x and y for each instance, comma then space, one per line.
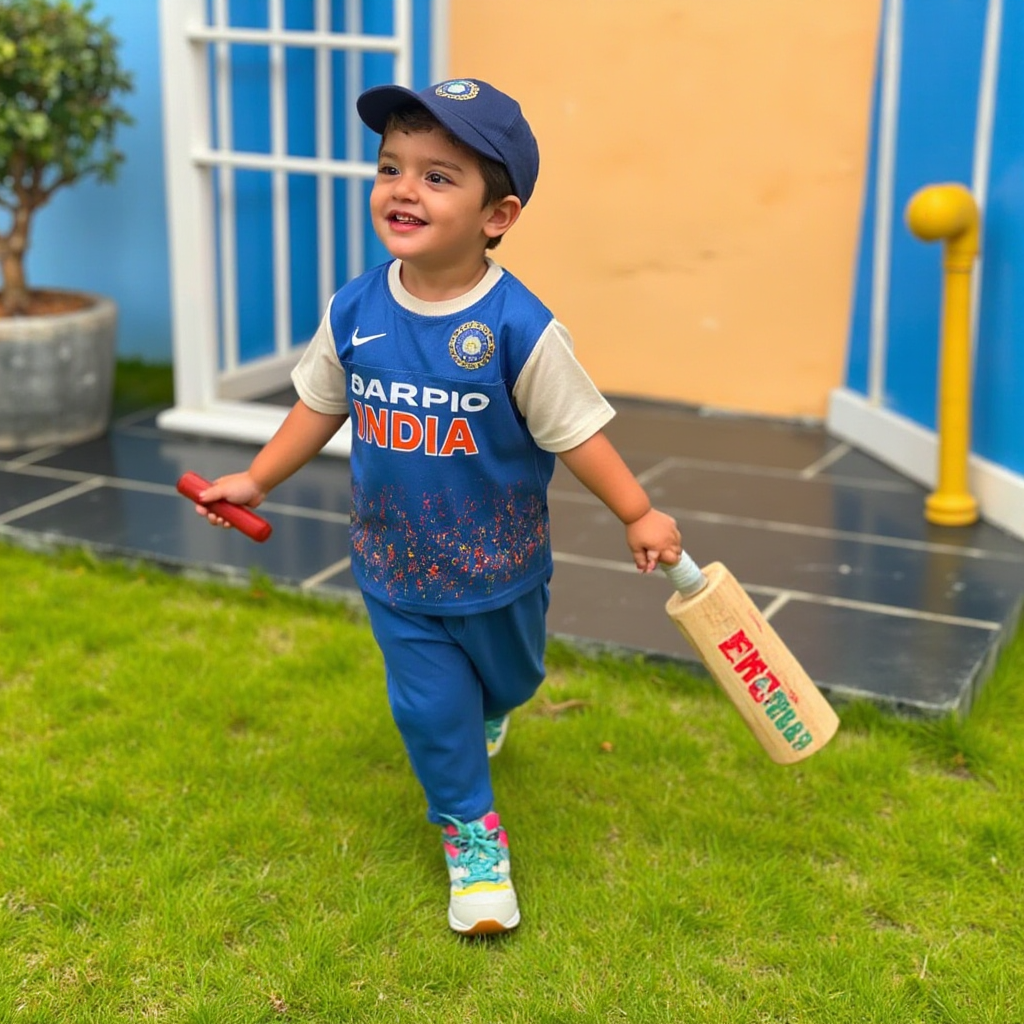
460, 89
472, 345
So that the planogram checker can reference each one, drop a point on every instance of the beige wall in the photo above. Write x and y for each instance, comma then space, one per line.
702, 161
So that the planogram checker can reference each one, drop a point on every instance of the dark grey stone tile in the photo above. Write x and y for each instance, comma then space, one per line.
17, 489
856, 465
323, 484
614, 608
937, 582
166, 528
873, 509
652, 430
943, 583
851, 531
911, 664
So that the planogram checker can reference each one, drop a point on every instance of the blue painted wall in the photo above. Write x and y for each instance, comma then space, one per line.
113, 238
938, 104
940, 78
999, 369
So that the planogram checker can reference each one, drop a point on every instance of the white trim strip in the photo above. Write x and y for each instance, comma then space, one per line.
828, 459
227, 210
403, 34
772, 472
884, 188
780, 601
249, 422
295, 38
439, 34
28, 458
191, 220
206, 157
874, 608
75, 491
86, 482
800, 595
280, 217
325, 574
355, 249
654, 471
803, 530
983, 129
910, 449
326, 270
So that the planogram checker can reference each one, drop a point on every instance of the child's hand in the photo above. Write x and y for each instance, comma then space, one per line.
654, 538
238, 488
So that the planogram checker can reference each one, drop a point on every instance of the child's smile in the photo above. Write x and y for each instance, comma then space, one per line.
427, 203
405, 221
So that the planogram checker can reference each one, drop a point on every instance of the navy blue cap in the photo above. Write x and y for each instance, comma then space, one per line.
477, 114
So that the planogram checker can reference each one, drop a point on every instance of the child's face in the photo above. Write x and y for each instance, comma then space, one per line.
426, 203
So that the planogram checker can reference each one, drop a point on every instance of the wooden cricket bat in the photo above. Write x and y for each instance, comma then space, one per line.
785, 711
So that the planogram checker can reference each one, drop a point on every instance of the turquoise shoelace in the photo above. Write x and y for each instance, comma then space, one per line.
493, 727
479, 851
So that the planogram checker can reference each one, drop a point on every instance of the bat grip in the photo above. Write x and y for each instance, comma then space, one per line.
191, 485
685, 576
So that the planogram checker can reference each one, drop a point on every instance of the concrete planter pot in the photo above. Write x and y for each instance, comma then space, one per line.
57, 375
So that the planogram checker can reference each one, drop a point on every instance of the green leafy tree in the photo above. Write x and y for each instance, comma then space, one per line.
60, 90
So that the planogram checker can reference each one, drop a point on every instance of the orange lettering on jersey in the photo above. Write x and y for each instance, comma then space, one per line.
377, 426
406, 431
459, 438
360, 420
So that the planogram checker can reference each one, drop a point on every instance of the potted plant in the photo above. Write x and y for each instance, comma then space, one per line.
60, 91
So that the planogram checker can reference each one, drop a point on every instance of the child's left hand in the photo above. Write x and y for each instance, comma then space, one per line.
654, 538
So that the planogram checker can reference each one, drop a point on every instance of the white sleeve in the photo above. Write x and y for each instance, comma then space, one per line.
319, 377
560, 403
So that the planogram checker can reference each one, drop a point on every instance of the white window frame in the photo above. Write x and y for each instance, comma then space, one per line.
215, 390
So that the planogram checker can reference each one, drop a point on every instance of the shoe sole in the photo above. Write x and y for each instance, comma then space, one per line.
488, 926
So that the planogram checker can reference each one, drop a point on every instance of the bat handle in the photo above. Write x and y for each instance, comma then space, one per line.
685, 576
191, 485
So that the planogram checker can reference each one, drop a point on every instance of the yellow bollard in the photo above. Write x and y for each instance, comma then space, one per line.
949, 213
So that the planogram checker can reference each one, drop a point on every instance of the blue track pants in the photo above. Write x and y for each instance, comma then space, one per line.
445, 675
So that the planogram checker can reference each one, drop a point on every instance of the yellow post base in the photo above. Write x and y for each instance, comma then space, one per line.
950, 509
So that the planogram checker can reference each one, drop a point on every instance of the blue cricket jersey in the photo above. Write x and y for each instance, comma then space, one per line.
449, 488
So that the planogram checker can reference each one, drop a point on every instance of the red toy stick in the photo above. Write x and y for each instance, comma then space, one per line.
256, 527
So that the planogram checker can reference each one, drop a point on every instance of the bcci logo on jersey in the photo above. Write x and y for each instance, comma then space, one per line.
472, 345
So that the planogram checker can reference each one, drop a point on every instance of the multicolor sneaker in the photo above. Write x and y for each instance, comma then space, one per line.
482, 900
496, 729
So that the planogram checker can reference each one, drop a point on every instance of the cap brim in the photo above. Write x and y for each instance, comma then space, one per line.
376, 105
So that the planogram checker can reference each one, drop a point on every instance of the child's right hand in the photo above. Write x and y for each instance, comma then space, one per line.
238, 488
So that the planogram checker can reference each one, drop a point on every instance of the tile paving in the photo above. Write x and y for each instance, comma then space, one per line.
830, 543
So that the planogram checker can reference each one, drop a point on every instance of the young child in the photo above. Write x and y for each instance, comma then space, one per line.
464, 389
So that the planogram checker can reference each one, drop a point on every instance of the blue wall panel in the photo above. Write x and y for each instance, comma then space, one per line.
113, 239
300, 71
999, 363
857, 366
250, 130
941, 63
943, 44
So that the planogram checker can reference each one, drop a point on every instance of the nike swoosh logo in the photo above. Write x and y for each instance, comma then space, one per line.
356, 340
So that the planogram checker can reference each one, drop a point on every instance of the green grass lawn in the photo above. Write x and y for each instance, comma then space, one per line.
138, 385
206, 816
